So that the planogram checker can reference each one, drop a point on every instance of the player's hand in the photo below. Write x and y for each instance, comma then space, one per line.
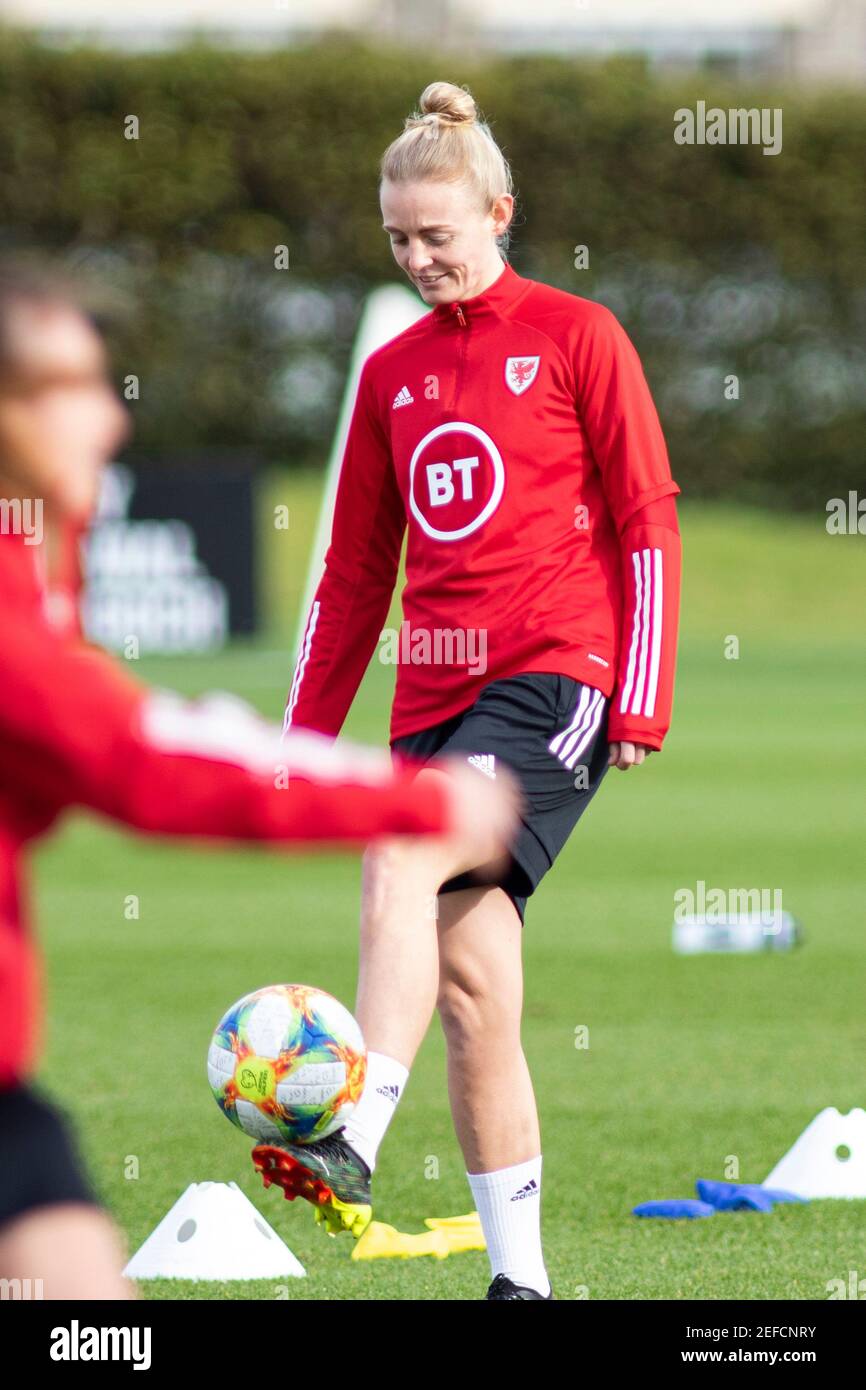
485, 811
625, 755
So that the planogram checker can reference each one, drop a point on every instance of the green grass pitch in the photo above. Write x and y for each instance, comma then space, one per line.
690, 1061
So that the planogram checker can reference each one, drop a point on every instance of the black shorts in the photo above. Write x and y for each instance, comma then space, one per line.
39, 1160
551, 731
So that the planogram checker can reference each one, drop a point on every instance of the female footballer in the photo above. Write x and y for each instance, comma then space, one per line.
512, 430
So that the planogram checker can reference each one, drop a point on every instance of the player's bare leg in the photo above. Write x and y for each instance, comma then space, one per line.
73, 1248
398, 975
480, 1001
397, 988
492, 1101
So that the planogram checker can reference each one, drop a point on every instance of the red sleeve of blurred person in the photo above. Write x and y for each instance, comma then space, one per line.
77, 729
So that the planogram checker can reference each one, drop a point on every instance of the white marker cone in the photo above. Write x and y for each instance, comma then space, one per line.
213, 1232
829, 1158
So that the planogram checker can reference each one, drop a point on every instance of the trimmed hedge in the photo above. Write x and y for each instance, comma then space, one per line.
719, 260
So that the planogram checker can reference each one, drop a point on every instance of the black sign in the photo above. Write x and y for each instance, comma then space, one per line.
169, 562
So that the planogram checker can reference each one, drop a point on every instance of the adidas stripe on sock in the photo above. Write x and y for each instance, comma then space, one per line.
383, 1087
509, 1205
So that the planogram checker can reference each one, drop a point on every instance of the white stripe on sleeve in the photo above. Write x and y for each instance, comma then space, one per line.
640, 688
221, 728
635, 634
655, 652
303, 658
640, 679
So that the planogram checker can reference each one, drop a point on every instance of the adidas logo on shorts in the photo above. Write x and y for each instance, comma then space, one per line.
485, 762
403, 397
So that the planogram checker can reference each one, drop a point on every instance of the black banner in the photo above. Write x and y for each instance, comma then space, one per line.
169, 562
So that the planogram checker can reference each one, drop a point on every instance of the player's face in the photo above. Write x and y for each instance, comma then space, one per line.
60, 419
441, 239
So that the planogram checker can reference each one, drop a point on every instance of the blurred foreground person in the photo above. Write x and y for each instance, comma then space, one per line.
77, 730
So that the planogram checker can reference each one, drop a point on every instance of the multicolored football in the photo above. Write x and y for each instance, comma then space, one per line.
287, 1062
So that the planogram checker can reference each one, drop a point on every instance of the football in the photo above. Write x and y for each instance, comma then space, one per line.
287, 1062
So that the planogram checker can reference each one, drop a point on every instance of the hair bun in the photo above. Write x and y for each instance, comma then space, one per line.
446, 102
448, 140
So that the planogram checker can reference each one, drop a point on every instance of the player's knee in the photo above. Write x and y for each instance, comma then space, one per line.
458, 1011
468, 1010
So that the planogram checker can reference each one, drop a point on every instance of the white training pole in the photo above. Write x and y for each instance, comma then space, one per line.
387, 312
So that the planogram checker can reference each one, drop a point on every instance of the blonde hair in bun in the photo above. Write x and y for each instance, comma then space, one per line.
447, 140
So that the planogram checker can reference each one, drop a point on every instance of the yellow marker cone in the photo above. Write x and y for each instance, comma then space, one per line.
447, 1235
380, 1241
462, 1232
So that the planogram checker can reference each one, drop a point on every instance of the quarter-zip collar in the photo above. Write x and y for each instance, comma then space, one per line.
508, 287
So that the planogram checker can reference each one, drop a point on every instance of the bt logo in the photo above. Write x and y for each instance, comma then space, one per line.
440, 485
456, 480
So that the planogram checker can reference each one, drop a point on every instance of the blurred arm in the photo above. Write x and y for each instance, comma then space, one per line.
76, 730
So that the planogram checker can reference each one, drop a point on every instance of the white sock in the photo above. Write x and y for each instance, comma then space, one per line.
509, 1205
383, 1087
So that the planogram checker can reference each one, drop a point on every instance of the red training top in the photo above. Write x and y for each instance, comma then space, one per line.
515, 434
